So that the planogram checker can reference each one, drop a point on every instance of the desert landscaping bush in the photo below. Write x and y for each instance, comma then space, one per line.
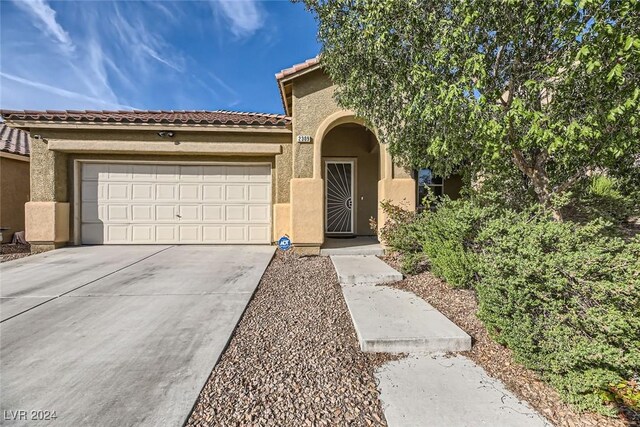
443, 237
566, 299
604, 197
563, 296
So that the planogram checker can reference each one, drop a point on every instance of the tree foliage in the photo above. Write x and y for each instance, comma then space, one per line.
549, 88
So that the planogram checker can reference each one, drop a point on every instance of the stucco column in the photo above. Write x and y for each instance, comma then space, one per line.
400, 192
47, 214
307, 216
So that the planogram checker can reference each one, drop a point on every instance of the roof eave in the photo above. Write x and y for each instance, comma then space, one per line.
48, 124
283, 80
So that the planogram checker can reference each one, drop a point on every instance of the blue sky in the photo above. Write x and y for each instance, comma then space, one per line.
158, 55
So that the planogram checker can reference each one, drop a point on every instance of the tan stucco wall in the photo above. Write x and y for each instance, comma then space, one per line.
315, 112
48, 174
312, 103
281, 220
400, 192
47, 223
14, 193
358, 143
307, 211
52, 172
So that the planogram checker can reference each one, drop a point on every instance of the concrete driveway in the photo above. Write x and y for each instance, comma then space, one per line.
118, 335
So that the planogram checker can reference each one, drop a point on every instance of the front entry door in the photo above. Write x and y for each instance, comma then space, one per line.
339, 179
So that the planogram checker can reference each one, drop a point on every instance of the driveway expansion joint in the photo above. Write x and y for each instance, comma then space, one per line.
85, 284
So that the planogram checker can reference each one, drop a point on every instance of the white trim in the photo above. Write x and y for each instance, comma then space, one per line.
353, 161
15, 156
77, 185
163, 147
77, 205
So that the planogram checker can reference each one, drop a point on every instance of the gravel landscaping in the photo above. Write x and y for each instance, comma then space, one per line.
294, 358
460, 306
10, 251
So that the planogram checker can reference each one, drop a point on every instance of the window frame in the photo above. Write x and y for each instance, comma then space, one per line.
419, 204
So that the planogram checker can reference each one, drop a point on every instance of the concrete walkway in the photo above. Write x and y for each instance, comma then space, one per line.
389, 320
426, 388
441, 391
363, 269
359, 245
119, 335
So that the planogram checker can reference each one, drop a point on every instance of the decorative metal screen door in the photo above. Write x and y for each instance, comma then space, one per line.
339, 193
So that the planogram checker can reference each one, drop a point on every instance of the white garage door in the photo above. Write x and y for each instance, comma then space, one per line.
144, 203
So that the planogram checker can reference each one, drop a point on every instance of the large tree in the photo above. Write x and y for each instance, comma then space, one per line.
547, 88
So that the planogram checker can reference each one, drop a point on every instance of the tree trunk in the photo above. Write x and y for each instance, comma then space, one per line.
537, 173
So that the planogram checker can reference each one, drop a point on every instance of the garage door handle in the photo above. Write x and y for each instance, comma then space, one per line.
178, 216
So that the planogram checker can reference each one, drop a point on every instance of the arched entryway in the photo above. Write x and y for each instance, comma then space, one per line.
350, 169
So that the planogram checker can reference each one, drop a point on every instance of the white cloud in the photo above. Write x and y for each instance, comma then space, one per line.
65, 95
133, 32
245, 16
40, 10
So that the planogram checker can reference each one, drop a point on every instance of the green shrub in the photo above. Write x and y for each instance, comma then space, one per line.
443, 236
566, 299
602, 197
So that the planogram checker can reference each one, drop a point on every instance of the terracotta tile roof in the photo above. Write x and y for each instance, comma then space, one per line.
14, 141
298, 67
218, 117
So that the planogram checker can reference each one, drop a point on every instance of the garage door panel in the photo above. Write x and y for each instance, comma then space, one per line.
213, 193
259, 193
189, 233
92, 234
167, 173
117, 191
166, 213
143, 233
258, 233
236, 193
189, 192
142, 192
166, 233
143, 172
235, 213
117, 213
90, 211
143, 203
259, 173
235, 233
116, 233
258, 213
213, 234
166, 192
119, 172
189, 213
92, 171
191, 173
236, 174
90, 191
213, 213
214, 173
142, 213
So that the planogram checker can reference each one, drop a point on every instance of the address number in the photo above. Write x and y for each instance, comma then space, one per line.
304, 138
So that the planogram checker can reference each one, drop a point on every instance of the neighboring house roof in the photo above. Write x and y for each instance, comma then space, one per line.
14, 141
287, 74
218, 117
